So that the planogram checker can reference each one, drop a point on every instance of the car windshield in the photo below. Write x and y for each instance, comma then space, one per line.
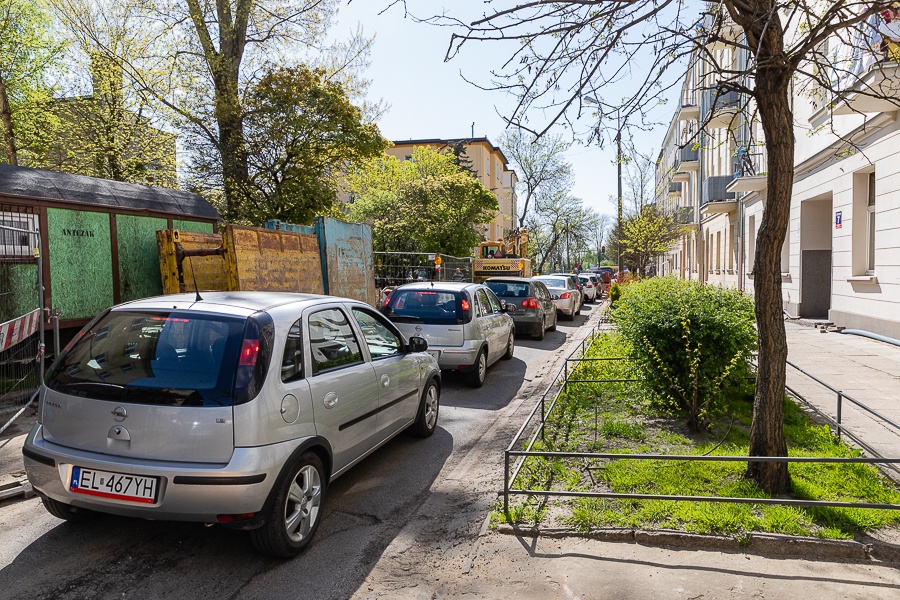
162, 358
510, 289
431, 307
553, 282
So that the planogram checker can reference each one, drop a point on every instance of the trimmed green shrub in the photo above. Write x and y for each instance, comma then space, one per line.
690, 343
615, 292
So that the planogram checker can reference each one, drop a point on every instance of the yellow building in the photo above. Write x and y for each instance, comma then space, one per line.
489, 165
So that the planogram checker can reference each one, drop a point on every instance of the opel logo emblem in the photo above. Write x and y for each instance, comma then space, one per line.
418, 328
119, 413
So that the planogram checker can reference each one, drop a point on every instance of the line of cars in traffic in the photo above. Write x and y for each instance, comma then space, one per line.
240, 408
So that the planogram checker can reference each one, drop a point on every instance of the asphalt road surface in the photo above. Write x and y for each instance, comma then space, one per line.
444, 484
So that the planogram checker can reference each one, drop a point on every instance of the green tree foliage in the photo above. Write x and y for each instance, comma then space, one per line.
645, 236
427, 204
28, 54
690, 343
301, 132
539, 163
112, 129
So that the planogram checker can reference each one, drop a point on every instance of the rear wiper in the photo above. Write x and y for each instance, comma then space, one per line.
98, 386
406, 319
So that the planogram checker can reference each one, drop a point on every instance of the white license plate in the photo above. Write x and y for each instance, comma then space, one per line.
131, 488
435, 354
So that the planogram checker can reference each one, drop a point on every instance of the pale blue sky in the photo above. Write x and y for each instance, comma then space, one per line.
429, 99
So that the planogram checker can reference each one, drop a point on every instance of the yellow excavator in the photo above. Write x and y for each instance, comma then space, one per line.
504, 257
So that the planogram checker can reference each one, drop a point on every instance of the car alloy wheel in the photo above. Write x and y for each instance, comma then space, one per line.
296, 510
510, 346
426, 421
479, 370
543, 330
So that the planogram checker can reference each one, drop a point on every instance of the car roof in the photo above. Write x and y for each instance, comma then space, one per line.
247, 302
454, 286
509, 279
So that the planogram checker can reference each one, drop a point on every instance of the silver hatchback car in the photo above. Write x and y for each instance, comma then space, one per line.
237, 409
465, 324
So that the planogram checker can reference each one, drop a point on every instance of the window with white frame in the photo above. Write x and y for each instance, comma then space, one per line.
870, 226
15, 241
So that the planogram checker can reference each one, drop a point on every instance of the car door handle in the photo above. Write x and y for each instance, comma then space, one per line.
385, 381
330, 400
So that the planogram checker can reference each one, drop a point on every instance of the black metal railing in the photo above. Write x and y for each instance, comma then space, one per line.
514, 459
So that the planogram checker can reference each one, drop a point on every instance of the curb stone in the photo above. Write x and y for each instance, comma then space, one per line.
769, 545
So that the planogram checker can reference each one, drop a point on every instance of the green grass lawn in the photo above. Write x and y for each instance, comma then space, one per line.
614, 417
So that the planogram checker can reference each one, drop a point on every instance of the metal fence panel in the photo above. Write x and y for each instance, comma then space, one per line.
21, 334
396, 268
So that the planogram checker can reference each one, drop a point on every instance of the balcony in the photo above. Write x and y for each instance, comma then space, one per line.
714, 196
690, 159
750, 167
689, 109
675, 188
684, 215
720, 108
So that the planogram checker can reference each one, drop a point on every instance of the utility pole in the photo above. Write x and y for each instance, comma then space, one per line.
619, 169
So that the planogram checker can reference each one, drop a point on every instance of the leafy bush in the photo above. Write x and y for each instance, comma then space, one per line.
690, 343
615, 292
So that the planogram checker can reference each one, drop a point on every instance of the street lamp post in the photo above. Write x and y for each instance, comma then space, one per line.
619, 175
592, 100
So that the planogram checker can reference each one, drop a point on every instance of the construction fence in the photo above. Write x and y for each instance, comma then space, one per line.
396, 268
21, 343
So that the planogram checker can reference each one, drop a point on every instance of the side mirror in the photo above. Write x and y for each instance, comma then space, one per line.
418, 344
554, 297
503, 305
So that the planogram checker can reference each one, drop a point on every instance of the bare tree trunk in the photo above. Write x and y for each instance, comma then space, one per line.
773, 78
6, 118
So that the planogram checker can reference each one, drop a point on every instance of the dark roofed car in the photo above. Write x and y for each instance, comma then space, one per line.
528, 302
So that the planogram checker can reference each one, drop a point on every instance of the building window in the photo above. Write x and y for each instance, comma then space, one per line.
870, 227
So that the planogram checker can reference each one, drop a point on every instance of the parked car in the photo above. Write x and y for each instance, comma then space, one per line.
239, 408
578, 286
528, 302
591, 286
464, 323
564, 294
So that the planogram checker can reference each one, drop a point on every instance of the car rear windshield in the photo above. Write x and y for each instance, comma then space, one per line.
553, 282
510, 289
161, 358
431, 307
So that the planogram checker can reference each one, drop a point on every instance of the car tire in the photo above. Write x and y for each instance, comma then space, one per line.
555, 321
426, 420
295, 512
577, 312
475, 377
67, 512
510, 346
570, 317
543, 329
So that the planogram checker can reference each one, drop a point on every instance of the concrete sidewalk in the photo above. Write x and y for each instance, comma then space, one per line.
864, 369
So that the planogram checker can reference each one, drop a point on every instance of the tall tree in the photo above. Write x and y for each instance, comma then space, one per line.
113, 129
301, 132
564, 50
645, 236
539, 162
28, 54
426, 204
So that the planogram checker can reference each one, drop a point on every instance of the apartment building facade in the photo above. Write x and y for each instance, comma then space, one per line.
490, 167
841, 257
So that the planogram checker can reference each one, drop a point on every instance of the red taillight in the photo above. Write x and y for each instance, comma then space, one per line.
235, 518
169, 319
565, 296
589, 286
465, 305
387, 300
530, 303
249, 352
